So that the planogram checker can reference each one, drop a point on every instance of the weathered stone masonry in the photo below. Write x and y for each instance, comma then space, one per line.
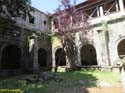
16, 50
100, 45
25, 46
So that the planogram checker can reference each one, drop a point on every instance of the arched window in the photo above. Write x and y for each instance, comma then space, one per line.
11, 57
121, 48
88, 55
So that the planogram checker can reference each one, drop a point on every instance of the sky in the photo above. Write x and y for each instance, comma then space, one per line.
48, 5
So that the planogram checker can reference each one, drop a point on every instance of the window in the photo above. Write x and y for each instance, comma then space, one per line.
31, 19
44, 22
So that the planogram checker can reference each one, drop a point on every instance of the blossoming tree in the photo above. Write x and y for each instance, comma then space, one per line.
67, 22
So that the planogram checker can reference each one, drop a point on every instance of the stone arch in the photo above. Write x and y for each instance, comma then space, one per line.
42, 57
60, 57
119, 40
10, 57
88, 55
117, 43
121, 48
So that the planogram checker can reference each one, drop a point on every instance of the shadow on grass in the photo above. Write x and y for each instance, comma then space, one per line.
72, 82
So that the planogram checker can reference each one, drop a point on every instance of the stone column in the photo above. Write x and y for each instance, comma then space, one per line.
101, 11
103, 51
53, 58
22, 56
117, 6
25, 60
33, 52
98, 11
35, 56
49, 54
121, 5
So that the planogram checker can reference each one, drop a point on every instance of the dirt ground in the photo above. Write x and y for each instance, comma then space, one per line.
104, 90
111, 89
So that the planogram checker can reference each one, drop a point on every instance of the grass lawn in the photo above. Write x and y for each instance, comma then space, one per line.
72, 81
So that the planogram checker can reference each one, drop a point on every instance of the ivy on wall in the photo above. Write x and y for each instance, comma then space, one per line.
51, 37
104, 26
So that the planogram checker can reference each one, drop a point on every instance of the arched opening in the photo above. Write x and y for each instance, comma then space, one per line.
60, 57
121, 48
88, 55
11, 57
42, 57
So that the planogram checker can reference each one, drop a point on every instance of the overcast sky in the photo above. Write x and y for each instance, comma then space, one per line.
48, 5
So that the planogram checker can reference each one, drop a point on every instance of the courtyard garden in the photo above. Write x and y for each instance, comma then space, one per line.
83, 81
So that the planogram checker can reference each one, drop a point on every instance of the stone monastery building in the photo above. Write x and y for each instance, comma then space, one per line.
26, 45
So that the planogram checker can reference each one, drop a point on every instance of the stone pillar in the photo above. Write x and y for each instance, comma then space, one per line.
35, 56
25, 60
121, 5
103, 51
33, 50
21, 43
49, 54
117, 6
101, 11
98, 11
53, 58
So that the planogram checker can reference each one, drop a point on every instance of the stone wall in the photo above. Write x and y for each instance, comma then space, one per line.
20, 32
106, 51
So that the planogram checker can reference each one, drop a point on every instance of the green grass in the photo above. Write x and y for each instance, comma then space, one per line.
70, 80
